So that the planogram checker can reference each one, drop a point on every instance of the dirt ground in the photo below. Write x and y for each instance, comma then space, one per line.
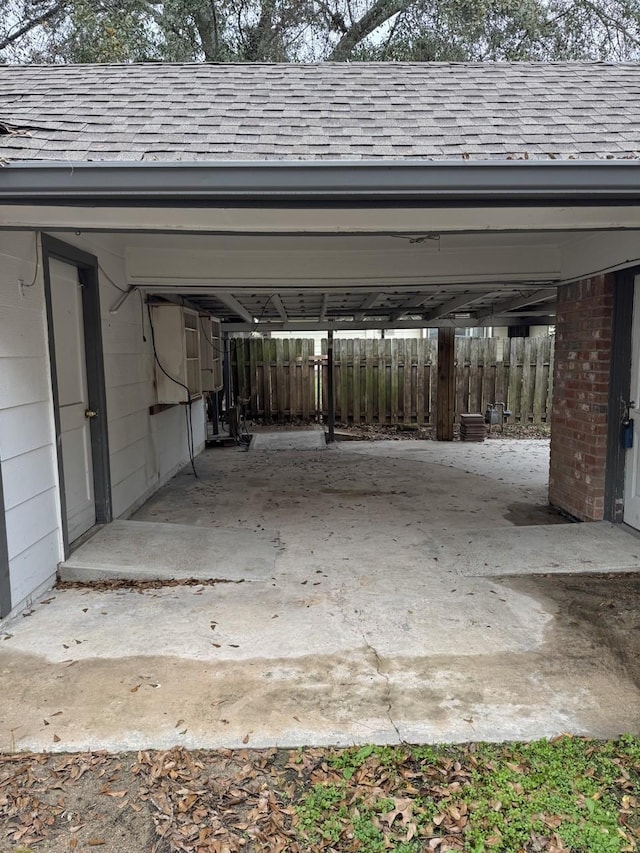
405, 432
607, 607
230, 800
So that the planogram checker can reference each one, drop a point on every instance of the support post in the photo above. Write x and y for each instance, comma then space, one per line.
226, 374
331, 408
446, 393
213, 412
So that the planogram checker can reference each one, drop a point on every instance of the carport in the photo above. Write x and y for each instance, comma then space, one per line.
273, 246
359, 210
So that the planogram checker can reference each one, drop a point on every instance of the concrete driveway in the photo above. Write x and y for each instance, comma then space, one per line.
369, 592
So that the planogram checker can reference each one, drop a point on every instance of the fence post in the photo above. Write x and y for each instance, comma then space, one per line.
445, 398
331, 407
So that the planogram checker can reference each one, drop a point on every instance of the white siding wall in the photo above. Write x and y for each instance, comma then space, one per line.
146, 450
29, 468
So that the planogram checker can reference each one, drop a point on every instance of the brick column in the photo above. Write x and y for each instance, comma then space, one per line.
580, 397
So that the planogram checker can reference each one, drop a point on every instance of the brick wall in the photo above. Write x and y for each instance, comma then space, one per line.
580, 397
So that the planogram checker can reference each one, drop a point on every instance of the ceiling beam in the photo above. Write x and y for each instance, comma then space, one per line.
323, 308
513, 304
366, 305
280, 307
454, 304
534, 319
233, 305
416, 302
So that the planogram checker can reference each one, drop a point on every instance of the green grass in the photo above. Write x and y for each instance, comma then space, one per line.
570, 794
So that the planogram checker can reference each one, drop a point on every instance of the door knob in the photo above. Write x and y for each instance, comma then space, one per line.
89, 413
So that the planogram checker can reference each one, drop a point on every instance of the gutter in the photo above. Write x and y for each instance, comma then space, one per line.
384, 182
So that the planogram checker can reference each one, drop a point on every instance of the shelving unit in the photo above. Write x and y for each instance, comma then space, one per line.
177, 337
210, 353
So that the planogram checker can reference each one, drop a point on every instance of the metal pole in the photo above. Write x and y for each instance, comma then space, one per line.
226, 374
331, 409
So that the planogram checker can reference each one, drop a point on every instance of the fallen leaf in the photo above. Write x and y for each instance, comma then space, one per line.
245, 739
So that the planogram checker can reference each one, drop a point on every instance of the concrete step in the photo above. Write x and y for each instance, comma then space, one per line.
143, 550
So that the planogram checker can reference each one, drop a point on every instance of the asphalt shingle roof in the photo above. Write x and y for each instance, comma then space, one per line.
434, 111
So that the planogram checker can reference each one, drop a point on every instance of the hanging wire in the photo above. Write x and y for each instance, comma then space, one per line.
35, 275
111, 281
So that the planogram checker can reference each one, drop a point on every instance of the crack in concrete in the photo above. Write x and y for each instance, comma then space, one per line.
383, 674
339, 597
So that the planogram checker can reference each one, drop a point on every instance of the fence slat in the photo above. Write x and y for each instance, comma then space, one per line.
394, 380
474, 378
406, 395
368, 382
549, 406
526, 404
488, 373
539, 387
420, 373
501, 353
357, 392
280, 395
513, 394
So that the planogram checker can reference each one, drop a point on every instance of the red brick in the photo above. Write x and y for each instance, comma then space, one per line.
581, 395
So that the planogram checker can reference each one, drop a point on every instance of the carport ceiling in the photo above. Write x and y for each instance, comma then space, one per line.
304, 282
301, 309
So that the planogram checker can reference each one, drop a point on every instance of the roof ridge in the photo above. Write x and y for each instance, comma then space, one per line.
534, 63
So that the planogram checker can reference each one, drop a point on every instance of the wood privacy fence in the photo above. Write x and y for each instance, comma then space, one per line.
391, 381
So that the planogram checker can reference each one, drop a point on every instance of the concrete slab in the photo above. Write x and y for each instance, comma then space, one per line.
559, 549
375, 614
515, 462
419, 660
140, 550
294, 440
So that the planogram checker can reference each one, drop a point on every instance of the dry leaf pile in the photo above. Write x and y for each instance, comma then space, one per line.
115, 584
569, 794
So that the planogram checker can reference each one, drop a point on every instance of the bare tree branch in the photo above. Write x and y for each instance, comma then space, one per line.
32, 23
374, 17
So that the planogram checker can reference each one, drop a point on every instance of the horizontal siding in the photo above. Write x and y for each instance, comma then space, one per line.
128, 368
23, 333
23, 381
26, 422
31, 521
124, 495
33, 567
28, 475
26, 428
124, 400
128, 460
127, 430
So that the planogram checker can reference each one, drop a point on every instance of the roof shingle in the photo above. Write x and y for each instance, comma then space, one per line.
434, 111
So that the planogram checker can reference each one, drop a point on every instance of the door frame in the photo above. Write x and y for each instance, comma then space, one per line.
5, 578
619, 390
87, 265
